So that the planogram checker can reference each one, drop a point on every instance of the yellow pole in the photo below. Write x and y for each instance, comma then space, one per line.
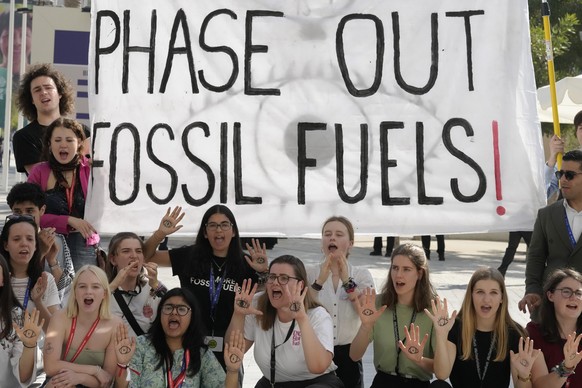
551, 73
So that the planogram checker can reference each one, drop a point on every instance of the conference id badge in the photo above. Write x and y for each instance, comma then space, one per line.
214, 343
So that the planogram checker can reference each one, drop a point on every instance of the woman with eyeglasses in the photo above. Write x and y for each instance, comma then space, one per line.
64, 177
32, 287
338, 284
173, 353
558, 332
79, 348
211, 268
291, 331
134, 284
19, 350
482, 346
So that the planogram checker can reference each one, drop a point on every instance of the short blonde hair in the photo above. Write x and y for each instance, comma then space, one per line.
104, 310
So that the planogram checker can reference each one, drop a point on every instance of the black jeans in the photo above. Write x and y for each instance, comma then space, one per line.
513, 243
349, 372
383, 380
328, 380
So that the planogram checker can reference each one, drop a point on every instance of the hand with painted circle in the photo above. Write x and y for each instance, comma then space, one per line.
414, 347
571, 354
124, 345
171, 220
296, 301
31, 328
39, 288
523, 361
440, 318
258, 259
243, 299
234, 351
367, 310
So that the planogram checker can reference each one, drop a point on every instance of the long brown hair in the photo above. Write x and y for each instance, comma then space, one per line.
503, 321
267, 320
424, 291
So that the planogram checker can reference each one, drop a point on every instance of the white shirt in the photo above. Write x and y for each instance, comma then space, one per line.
142, 306
50, 297
574, 219
346, 321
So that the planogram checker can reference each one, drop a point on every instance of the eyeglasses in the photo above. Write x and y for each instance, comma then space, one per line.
182, 310
569, 175
19, 217
568, 292
282, 279
224, 226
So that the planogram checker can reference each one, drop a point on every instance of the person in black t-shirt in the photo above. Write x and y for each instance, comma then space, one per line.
211, 268
483, 346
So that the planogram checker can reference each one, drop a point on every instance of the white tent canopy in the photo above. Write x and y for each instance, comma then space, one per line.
569, 95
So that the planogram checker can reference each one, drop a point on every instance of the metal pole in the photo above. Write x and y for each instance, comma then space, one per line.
551, 72
8, 107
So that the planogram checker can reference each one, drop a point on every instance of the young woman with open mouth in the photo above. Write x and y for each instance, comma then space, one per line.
64, 177
134, 285
401, 356
483, 346
338, 284
211, 268
292, 333
32, 287
79, 347
558, 333
173, 353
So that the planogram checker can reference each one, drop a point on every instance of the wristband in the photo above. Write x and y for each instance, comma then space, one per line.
29, 347
562, 371
316, 287
54, 266
350, 286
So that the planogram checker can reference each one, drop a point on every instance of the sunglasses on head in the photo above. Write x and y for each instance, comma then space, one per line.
19, 217
569, 175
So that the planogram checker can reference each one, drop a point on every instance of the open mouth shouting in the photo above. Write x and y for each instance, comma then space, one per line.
173, 323
88, 301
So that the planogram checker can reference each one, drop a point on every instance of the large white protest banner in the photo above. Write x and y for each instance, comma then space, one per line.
408, 117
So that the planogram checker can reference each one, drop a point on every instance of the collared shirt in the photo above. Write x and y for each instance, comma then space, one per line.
346, 321
574, 219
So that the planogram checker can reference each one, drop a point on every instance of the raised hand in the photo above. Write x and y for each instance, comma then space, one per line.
152, 274
171, 220
46, 239
124, 346
243, 300
30, 330
39, 288
414, 348
258, 259
367, 310
571, 354
523, 361
234, 351
440, 318
296, 301
122, 274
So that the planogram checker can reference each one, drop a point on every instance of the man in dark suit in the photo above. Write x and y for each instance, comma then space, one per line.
556, 239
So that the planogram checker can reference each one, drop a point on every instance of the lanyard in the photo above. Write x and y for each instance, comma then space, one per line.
26, 295
70, 192
214, 292
180, 379
491, 346
83, 343
569, 229
397, 334
273, 347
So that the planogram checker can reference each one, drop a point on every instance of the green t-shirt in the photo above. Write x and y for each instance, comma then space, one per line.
386, 345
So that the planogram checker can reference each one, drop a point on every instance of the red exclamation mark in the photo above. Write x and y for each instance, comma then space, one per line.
496, 163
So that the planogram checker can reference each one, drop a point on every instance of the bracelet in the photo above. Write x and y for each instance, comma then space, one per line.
524, 379
562, 371
122, 366
350, 285
29, 347
316, 287
54, 266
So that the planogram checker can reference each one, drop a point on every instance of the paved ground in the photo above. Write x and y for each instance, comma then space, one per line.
449, 277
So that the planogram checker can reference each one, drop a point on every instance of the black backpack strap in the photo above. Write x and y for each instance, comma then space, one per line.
127, 313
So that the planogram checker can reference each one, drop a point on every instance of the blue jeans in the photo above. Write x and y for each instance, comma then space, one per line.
80, 252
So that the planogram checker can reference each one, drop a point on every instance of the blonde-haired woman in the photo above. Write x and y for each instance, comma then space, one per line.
79, 347
483, 346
